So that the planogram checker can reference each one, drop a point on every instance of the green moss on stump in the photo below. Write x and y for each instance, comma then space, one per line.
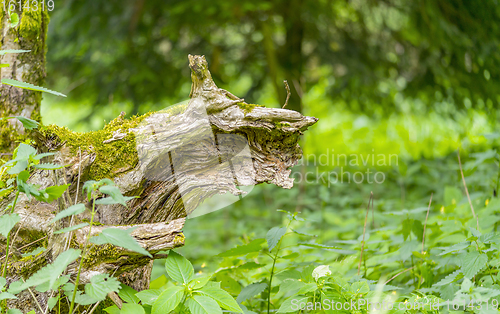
247, 107
112, 158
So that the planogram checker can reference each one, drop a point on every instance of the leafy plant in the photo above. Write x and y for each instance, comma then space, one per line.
187, 294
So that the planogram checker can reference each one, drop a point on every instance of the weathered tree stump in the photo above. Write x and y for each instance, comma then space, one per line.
172, 160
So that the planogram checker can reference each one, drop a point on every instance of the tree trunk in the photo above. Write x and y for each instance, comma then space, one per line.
172, 160
30, 34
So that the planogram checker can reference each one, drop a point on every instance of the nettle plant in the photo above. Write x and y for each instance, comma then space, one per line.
196, 294
187, 293
52, 277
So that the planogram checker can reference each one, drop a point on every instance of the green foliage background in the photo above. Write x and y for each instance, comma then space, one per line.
418, 79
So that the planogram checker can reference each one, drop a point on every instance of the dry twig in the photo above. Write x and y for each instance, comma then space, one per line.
467, 191
287, 93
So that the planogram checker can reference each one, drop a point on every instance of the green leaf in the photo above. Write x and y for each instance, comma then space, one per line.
100, 285
149, 296
3, 52
6, 295
35, 252
19, 166
224, 299
44, 287
472, 263
24, 152
48, 166
199, 282
82, 298
112, 310
250, 291
111, 201
52, 302
70, 211
27, 123
29, 86
407, 226
115, 194
40, 156
131, 308
287, 306
121, 238
418, 229
274, 236
309, 287
7, 222
168, 300
14, 311
3, 282
321, 271
48, 273
55, 192
455, 248
203, 305
288, 285
14, 20
448, 279
253, 246
72, 228
128, 294
179, 268
158, 283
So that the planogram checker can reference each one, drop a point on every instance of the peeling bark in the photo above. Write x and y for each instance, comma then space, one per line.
181, 156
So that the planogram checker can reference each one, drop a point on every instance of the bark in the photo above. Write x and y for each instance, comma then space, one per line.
172, 160
30, 34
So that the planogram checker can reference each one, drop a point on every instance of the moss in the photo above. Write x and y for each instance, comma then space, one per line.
31, 24
108, 253
280, 125
112, 158
28, 265
247, 107
9, 137
98, 254
175, 110
94, 223
179, 239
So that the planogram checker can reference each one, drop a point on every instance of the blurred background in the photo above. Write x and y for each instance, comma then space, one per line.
417, 79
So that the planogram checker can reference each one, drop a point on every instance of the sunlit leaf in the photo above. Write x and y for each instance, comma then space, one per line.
7, 222
179, 268
121, 238
224, 299
70, 211
168, 300
72, 228
253, 246
274, 236
3, 52
29, 86
199, 304
100, 285
128, 294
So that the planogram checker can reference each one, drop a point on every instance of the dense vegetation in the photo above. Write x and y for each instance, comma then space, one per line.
399, 86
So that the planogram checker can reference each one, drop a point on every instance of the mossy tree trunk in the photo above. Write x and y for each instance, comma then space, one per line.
29, 34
